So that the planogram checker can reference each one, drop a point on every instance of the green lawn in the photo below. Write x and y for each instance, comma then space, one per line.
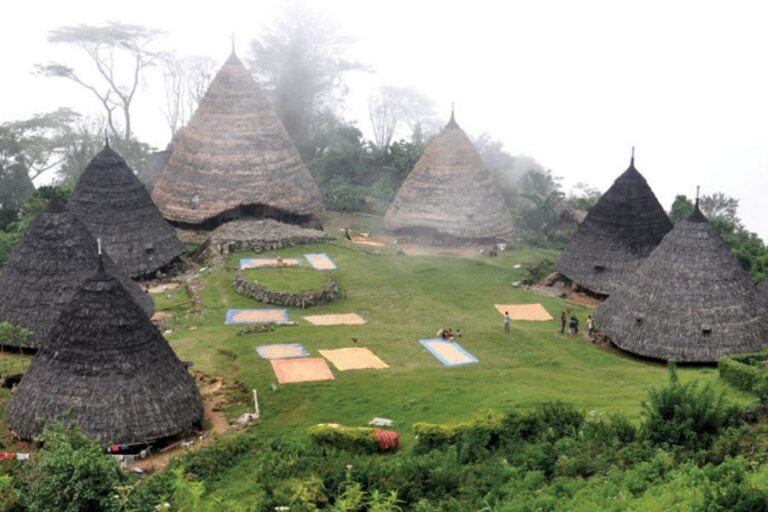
404, 299
297, 279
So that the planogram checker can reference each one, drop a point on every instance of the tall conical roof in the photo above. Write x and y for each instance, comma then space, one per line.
690, 300
107, 369
53, 258
115, 206
619, 232
449, 191
234, 152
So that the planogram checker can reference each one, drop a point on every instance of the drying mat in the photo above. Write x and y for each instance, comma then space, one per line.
307, 369
368, 241
320, 261
449, 353
282, 351
354, 358
524, 311
345, 319
257, 316
246, 263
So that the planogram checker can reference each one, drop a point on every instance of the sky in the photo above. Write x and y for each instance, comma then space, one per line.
573, 84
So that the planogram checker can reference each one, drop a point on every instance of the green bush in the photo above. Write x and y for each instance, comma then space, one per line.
13, 336
741, 373
687, 415
353, 439
472, 437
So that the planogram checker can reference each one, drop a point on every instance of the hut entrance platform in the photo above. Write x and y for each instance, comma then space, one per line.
258, 235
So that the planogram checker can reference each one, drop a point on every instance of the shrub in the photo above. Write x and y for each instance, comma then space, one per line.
209, 462
473, 436
354, 439
686, 415
13, 336
741, 373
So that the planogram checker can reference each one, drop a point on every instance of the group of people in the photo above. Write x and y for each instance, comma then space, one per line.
448, 334
573, 325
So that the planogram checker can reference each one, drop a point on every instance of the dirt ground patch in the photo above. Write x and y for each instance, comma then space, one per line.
411, 249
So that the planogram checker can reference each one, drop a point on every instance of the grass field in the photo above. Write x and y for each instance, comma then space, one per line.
404, 299
296, 279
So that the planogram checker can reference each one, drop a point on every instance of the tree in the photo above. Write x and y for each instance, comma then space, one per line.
391, 107
301, 63
71, 473
722, 207
119, 53
15, 184
583, 197
186, 81
681, 208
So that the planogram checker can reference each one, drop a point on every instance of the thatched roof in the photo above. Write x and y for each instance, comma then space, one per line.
234, 152
449, 191
106, 368
690, 300
115, 206
53, 258
619, 232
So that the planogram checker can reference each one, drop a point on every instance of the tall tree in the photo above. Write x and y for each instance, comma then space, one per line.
392, 107
301, 61
15, 184
186, 81
119, 54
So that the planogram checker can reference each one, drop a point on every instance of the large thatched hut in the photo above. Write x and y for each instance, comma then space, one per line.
450, 194
107, 368
689, 301
115, 206
234, 159
46, 268
618, 233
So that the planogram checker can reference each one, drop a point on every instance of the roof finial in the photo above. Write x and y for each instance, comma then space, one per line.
632, 160
452, 121
233, 43
106, 137
101, 259
697, 196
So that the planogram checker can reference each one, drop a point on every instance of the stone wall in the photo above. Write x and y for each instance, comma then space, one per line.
306, 299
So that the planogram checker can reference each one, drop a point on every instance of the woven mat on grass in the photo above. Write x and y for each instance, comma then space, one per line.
282, 351
368, 241
353, 358
345, 319
306, 369
449, 353
535, 312
257, 316
320, 261
246, 263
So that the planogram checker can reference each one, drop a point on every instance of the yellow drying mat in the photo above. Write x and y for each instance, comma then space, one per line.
345, 319
354, 358
534, 312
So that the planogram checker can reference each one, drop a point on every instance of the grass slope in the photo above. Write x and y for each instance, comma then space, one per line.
404, 299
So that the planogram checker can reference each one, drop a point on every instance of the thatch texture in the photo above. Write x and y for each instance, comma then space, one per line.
53, 258
450, 192
619, 232
115, 206
106, 368
235, 153
258, 236
689, 301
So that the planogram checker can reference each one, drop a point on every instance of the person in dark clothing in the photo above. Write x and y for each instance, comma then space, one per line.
574, 325
562, 322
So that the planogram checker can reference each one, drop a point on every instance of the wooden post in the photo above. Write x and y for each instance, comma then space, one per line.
256, 404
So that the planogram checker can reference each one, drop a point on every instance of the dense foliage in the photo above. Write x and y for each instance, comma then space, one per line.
689, 451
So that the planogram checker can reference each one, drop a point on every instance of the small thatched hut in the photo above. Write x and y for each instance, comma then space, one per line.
690, 301
234, 159
115, 206
450, 193
618, 233
107, 368
47, 267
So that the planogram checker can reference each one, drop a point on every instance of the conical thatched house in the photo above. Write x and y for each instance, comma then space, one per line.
450, 193
690, 301
619, 232
47, 267
235, 158
106, 368
115, 206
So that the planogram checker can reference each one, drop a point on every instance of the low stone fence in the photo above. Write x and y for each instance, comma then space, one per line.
306, 299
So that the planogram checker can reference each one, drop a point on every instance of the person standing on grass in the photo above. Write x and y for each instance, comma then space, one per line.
506, 322
562, 323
